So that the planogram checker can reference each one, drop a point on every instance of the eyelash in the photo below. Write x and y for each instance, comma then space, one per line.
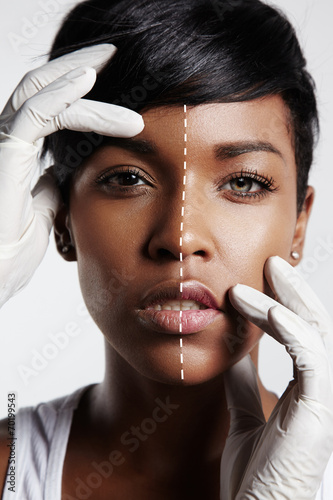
267, 183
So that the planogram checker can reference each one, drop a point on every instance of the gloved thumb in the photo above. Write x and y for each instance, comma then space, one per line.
46, 198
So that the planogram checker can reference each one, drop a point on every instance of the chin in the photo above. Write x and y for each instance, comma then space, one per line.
200, 365
155, 356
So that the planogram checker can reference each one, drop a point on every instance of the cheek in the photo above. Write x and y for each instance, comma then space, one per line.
108, 244
253, 236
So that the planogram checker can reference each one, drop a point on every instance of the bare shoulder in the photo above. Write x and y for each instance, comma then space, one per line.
4, 451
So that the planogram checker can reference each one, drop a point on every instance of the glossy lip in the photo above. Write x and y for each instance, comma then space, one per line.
192, 321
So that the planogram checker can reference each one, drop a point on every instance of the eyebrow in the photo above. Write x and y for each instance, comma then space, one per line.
140, 146
232, 150
221, 151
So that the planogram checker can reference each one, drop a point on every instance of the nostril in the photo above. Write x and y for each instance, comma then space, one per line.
163, 252
202, 253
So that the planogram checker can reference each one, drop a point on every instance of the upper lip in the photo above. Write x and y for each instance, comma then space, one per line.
191, 290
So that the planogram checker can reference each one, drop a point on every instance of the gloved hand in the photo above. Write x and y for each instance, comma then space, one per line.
284, 458
46, 100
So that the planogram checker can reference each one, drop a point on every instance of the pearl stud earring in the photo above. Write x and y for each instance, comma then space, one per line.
295, 255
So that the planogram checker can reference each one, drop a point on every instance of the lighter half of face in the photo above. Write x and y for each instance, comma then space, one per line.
239, 209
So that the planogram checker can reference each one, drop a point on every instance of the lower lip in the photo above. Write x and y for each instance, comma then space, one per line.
168, 321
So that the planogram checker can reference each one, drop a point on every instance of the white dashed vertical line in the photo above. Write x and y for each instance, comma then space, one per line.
181, 244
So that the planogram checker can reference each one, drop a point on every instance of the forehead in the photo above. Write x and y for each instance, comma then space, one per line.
265, 120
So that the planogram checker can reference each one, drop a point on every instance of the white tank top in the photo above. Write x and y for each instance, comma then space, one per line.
42, 436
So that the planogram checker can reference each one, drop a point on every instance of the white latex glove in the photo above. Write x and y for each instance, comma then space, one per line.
284, 458
46, 100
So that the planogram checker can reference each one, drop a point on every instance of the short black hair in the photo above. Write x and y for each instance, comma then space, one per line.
172, 52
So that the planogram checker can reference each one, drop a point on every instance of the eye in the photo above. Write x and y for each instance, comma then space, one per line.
125, 178
243, 185
248, 184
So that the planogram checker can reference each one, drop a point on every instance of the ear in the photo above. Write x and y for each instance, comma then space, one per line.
301, 225
63, 236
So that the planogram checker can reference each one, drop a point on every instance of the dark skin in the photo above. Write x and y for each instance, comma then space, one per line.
133, 233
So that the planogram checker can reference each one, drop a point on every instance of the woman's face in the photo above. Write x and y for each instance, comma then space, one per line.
125, 223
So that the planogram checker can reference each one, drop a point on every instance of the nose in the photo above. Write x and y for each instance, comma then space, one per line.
182, 228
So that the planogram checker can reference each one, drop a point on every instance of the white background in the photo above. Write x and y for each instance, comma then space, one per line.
52, 302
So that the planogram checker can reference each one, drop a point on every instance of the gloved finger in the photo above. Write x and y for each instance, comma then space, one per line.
294, 292
258, 307
254, 305
36, 112
305, 346
100, 117
94, 57
55, 108
242, 395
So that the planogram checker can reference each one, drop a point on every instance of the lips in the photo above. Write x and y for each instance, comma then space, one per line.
191, 290
176, 321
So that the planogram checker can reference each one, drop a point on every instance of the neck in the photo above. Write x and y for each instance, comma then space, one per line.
146, 419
